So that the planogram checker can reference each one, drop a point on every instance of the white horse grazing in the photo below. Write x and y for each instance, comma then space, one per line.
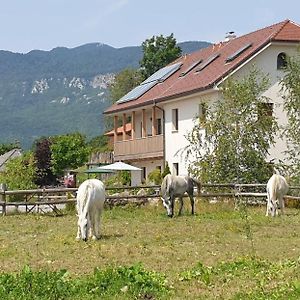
90, 203
175, 186
277, 187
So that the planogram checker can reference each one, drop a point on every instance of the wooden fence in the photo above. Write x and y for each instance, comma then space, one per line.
37, 199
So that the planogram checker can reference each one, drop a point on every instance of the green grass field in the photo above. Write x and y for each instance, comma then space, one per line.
219, 253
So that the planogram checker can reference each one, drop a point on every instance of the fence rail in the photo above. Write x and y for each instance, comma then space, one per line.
51, 197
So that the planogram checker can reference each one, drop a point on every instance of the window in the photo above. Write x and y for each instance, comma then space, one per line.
264, 110
202, 113
158, 126
175, 168
206, 63
175, 119
238, 53
191, 67
281, 61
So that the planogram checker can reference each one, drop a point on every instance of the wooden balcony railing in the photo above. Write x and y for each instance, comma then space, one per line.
141, 148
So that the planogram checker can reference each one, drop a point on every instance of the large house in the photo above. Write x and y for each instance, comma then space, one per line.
162, 108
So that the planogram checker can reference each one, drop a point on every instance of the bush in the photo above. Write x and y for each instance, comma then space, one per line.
19, 174
155, 177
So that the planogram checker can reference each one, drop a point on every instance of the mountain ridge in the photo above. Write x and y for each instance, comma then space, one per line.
45, 93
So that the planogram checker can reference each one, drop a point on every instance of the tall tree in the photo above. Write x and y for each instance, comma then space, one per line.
42, 155
239, 130
291, 95
158, 52
68, 151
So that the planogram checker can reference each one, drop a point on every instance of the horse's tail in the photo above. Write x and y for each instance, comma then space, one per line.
198, 184
275, 171
84, 198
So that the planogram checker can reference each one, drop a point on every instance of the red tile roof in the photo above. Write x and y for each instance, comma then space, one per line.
192, 82
120, 130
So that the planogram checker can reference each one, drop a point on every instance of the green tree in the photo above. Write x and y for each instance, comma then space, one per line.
68, 151
99, 144
42, 155
239, 130
291, 96
158, 52
20, 172
166, 171
155, 177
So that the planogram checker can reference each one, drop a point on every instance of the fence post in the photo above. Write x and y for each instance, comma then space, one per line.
3, 188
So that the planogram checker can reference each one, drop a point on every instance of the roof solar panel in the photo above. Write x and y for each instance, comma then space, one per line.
163, 74
207, 62
146, 85
192, 66
238, 52
137, 92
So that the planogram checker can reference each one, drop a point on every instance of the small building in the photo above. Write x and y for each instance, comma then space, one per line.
4, 158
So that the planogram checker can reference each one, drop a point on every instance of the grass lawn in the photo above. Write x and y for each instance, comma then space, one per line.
219, 253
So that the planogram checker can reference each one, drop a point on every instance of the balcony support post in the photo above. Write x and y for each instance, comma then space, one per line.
153, 121
133, 125
115, 129
124, 127
144, 126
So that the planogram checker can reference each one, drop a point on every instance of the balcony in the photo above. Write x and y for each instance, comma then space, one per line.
141, 148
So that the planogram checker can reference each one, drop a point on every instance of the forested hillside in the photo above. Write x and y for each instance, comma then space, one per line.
45, 93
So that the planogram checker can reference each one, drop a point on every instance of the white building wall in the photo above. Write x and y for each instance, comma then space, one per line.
175, 141
266, 61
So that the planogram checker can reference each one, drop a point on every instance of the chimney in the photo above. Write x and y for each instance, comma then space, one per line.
230, 36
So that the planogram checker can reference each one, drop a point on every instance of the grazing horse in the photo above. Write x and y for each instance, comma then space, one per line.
90, 203
277, 187
175, 186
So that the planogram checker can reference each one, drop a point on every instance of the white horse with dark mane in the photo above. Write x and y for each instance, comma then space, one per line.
90, 203
277, 187
175, 186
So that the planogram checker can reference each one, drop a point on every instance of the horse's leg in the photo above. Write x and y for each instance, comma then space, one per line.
282, 206
93, 225
78, 236
274, 208
192, 203
268, 208
172, 205
181, 205
97, 225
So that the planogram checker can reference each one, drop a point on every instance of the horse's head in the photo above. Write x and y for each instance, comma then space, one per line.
167, 203
83, 226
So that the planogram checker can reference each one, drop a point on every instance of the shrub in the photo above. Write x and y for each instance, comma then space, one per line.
155, 177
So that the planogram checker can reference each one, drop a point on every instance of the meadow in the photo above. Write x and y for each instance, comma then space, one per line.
219, 253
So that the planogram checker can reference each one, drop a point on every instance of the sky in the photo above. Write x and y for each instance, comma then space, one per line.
27, 25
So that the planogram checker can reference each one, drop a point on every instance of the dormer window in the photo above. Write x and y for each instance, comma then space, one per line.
281, 61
